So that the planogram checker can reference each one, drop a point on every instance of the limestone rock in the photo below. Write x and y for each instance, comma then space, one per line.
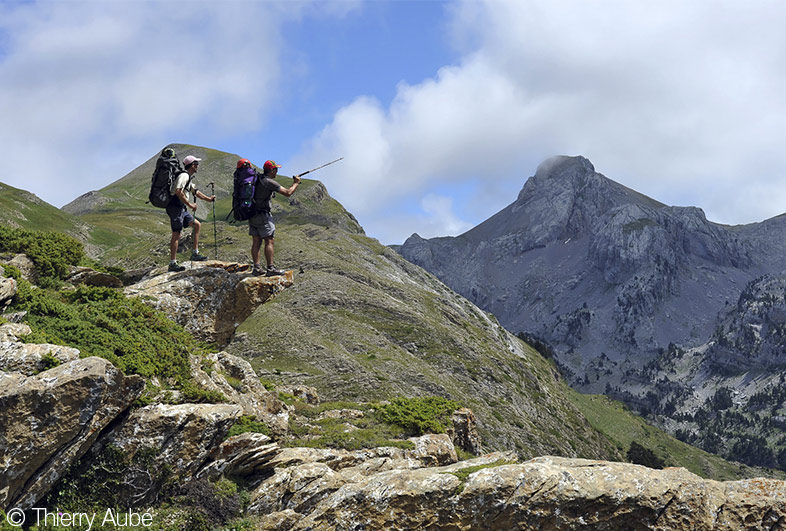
209, 299
90, 277
550, 493
7, 291
299, 488
13, 331
51, 419
243, 455
464, 431
178, 439
235, 378
25, 266
28, 358
132, 276
304, 476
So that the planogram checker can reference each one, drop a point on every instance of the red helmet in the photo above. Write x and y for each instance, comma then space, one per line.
243, 162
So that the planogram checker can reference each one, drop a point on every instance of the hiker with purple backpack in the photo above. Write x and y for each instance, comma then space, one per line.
260, 223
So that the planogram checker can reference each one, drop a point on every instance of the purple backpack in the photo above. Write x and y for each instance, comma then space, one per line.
243, 206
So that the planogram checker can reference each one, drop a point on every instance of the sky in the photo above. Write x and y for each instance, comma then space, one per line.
441, 110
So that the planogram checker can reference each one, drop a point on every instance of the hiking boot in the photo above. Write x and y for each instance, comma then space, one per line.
196, 257
258, 271
174, 266
273, 272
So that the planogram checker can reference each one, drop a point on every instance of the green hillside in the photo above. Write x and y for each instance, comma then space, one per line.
623, 427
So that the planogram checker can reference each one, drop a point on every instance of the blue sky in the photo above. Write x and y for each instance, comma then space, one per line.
441, 109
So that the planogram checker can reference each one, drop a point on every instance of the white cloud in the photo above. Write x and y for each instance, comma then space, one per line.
86, 83
682, 101
439, 210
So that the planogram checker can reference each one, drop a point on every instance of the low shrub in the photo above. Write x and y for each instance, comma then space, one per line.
246, 424
103, 322
52, 252
419, 415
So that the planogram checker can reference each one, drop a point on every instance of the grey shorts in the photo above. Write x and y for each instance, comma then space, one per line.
262, 225
179, 216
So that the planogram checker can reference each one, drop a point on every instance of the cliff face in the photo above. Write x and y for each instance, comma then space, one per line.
612, 279
649, 274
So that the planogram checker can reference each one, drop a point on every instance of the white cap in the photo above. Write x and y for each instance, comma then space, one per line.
189, 159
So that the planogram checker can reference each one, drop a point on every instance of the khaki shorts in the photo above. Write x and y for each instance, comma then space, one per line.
262, 225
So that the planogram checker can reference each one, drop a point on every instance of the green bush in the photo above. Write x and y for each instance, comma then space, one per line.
11, 271
419, 415
103, 322
52, 253
246, 424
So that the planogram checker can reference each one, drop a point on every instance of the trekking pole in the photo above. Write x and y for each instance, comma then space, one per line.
215, 234
320, 167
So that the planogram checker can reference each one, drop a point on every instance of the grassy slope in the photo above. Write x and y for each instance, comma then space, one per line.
362, 324
22, 209
622, 426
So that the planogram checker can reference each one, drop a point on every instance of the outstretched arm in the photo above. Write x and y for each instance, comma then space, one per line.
291, 190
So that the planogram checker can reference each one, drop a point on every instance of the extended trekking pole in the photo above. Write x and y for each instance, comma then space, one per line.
215, 234
320, 167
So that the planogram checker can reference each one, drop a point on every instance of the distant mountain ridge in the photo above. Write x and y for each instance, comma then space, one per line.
612, 280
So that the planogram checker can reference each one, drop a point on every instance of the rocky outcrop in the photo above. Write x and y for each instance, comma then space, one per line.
165, 442
464, 431
25, 266
7, 291
305, 476
242, 456
210, 299
51, 419
12, 332
544, 493
31, 358
236, 380
90, 277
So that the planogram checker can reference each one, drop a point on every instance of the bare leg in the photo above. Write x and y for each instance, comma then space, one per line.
173, 246
256, 245
195, 234
269, 251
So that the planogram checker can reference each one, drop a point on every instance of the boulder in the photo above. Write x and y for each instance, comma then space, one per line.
241, 456
209, 299
90, 277
13, 331
464, 431
166, 442
7, 291
50, 420
25, 266
29, 358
